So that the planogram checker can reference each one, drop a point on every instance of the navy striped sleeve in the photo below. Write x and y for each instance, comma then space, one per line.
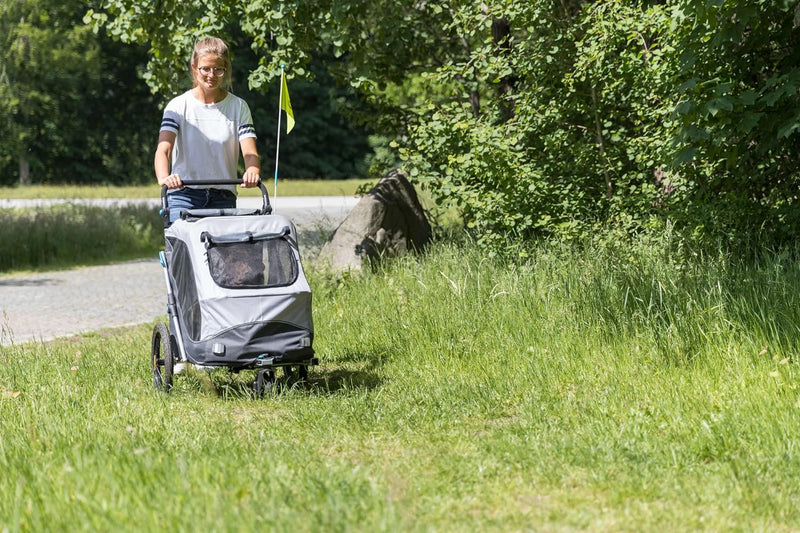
170, 124
247, 130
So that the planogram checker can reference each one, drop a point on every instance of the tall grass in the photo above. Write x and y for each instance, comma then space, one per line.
71, 234
607, 388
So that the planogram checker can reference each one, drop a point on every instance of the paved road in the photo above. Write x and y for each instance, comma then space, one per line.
56, 304
44, 306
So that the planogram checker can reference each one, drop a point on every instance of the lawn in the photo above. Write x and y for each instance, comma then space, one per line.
594, 389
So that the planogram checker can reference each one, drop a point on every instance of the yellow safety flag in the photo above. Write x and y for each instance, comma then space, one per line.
286, 103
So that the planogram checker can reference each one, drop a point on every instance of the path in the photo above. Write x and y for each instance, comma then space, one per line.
46, 305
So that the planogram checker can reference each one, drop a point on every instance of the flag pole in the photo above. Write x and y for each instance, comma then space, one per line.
278, 143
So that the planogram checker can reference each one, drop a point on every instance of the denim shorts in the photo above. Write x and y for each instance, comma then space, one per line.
189, 198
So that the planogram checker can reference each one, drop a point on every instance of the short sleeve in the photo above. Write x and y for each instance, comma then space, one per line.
246, 128
171, 120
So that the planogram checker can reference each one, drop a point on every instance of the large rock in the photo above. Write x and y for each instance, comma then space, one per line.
387, 222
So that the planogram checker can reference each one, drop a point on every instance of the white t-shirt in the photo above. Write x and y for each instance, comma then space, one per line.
208, 135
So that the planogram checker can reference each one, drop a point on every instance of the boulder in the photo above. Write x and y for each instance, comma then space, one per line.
388, 221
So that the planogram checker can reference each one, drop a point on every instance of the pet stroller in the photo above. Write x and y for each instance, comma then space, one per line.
237, 296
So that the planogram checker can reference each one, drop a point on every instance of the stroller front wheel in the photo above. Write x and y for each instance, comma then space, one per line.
162, 358
264, 382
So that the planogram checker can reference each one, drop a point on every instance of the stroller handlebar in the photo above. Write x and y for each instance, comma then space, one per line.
266, 208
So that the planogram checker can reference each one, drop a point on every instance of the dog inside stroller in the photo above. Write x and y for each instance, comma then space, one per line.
237, 296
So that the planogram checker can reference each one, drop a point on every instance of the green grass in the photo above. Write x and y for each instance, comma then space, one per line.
596, 390
285, 188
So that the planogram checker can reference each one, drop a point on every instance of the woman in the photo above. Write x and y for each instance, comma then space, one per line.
201, 134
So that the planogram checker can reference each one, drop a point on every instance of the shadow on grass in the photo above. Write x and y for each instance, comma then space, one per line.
323, 380
342, 380
352, 371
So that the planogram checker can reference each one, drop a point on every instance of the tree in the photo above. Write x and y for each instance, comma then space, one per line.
537, 117
73, 108
588, 139
42, 50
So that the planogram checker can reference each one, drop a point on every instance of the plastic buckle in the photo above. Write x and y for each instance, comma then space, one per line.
264, 360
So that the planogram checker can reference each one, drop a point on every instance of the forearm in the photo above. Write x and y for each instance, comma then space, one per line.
162, 160
252, 163
252, 170
162, 167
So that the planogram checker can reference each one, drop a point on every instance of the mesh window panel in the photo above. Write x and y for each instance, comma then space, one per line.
184, 287
253, 264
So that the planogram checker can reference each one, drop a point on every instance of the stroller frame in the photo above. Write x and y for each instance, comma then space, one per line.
246, 306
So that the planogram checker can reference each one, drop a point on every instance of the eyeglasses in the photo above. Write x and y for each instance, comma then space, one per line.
218, 71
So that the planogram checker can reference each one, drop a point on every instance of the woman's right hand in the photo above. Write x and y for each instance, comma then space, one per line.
173, 181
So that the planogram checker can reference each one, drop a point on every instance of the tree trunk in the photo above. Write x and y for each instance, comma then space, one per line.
501, 30
24, 171
475, 102
601, 142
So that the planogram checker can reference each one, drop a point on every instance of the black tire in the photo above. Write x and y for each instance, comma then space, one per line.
296, 375
162, 358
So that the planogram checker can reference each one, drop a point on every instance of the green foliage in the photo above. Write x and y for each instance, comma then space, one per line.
537, 117
40, 48
611, 102
739, 110
586, 142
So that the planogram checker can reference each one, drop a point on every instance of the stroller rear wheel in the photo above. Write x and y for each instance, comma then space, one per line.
296, 375
162, 358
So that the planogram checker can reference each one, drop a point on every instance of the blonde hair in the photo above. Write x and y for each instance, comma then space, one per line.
209, 46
